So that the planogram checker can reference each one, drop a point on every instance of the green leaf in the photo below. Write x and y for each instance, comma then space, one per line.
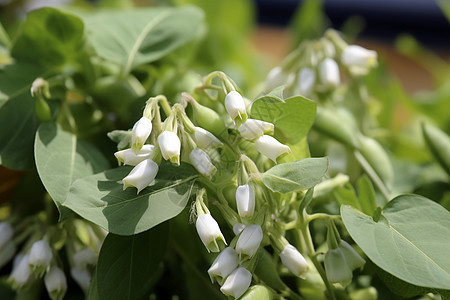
410, 240
366, 195
54, 37
257, 292
439, 144
61, 159
345, 195
292, 117
101, 199
135, 37
298, 175
127, 264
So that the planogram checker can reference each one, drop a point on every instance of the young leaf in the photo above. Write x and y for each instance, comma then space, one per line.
292, 117
127, 264
410, 240
439, 144
134, 37
298, 175
345, 195
366, 195
61, 159
101, 199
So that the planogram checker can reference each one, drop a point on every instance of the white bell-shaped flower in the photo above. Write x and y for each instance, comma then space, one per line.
170, 145
293, 260
201, 161
358, 59
205, 139
141, 175
21, 272
249, 240
82, 277
55, 283
237, 283
270, 147
237, 228
329, 73
85, 257
253, 129
245, 200
209, 232
235, 105
140, 132
40, 256
353, 259
223, 265
129, 157
305, 81
6, 233
336, 267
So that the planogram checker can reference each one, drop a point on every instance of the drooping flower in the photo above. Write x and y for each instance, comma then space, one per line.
249, 240
329, 73
353, 259
141, 175
21, 273
235, 105
293, 260
129, 157
359, 60
245, 200
205, 139
237, 283
209, 232
223, 265
270, 147
85, 257
170, 146
306, 80
336, 267
140, 132
253, 129
201, 161
82, 277
55, 283
40, 256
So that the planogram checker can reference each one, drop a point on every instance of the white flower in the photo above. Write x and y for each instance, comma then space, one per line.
293, 260
224, 264
329, 73
245, 200
6, 233
129, 157
170, 145
209, 232
205, 139
270, 147
201, 161
306, 80
353, 259
21, 273
237, 228
82, 277
56, 283
140, 132
40, 255
253, 129
358, 59
141, 175
235, 105
249, 240
237, 283
85, 257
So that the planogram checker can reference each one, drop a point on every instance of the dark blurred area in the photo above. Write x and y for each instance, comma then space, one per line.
383, 19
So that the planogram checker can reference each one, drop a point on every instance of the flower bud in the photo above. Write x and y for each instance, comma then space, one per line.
40, 257
170, 146
7, 232
85, 257
270, 147
249, 240
139, 134
235, 106
223, 265
209, 232
201, 161
336, 267
129, 157
358, 59
82, 277
209, 119
329, 73
205, 139
353, 259
293, 260
245, 200
253, 129
237, 228
56, 283
141, 175
21, 273
237, 283
306, 80
40, 88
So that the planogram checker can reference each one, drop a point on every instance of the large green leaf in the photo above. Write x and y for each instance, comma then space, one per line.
410, 240
127, 264
61, 159
298, 175
292, 117
49, 37
101, 199
134, 37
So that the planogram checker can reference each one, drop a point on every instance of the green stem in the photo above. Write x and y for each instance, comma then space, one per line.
165, 105
312, 217
372, 174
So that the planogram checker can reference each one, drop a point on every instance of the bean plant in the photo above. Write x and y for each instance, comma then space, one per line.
135, 170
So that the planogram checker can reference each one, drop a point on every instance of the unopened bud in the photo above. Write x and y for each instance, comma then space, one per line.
202, 162
223, 265
141, 175
270, 147
209, 232
249, 240
237, 283
329, 73
140, 132
170, 146
56, 283
253, 129
235, 106
245, 200
293, 260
